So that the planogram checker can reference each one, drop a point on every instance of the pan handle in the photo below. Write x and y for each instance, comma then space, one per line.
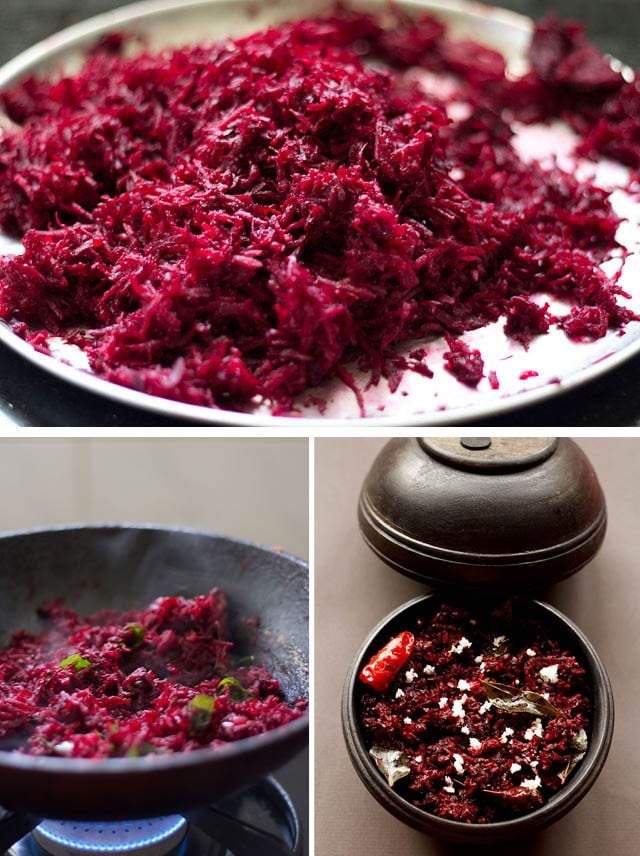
14, 825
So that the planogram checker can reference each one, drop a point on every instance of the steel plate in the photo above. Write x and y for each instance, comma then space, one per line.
560, 364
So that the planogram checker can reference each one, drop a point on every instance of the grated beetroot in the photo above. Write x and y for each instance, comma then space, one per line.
234, 222
572, 80
162, 679
463, 362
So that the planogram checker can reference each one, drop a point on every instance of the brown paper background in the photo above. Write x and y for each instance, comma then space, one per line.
354, 590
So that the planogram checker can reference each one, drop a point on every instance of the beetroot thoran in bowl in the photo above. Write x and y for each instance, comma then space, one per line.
480, 733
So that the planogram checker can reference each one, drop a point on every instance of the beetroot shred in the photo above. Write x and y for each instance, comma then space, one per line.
161, 679
231, 223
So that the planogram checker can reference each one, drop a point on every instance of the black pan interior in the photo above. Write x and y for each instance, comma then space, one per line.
125, 567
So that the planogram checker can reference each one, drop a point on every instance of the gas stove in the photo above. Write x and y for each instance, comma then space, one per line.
259, 821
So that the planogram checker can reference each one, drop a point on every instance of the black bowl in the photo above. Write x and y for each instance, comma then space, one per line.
558, 805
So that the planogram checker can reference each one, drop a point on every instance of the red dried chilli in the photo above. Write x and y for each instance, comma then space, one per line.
162, 679
485, 720
231, 224
385, 665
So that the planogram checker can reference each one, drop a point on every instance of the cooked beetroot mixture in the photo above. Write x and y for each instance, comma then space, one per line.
235, 223
162, 679
460, 756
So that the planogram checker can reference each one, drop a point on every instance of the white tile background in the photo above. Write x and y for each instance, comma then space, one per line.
250, 488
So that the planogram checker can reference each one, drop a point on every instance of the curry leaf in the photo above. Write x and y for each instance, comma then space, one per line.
75, 660
392, 763
236, 690
518, 796
135, 635
580, 744
514, 700
141, 749
201, 708
580, 741
573, 762
500, 645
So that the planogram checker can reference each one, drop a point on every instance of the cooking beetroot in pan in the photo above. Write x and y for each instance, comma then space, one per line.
161, 679
483, 718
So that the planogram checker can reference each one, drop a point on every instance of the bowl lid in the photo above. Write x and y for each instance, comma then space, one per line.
503, 513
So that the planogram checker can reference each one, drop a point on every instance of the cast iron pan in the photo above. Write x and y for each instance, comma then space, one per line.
128, 566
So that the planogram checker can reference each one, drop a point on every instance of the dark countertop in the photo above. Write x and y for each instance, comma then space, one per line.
29, 396
294, 778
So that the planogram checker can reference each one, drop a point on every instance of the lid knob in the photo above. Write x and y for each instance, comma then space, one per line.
500, 513
475, 442
490, 454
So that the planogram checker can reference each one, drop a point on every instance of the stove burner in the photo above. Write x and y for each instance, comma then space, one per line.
155, 836
260, 820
